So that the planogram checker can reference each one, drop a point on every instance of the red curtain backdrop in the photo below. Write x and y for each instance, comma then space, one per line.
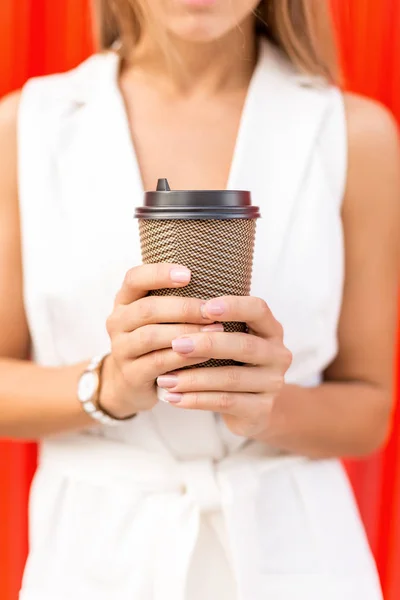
43, 36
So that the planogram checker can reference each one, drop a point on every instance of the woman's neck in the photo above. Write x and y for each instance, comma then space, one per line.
189, 68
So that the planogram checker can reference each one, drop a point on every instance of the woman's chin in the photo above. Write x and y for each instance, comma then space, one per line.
197, 31
203, 21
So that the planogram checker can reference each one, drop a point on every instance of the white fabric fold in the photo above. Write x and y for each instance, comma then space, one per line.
179, 494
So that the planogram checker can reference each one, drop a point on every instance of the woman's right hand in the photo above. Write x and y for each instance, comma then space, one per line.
141, 329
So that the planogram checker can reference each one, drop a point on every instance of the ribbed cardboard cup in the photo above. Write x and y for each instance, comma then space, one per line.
210, 232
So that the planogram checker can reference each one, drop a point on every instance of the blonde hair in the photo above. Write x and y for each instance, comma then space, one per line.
302, 29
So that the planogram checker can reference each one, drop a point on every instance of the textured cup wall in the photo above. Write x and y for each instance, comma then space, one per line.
219, 253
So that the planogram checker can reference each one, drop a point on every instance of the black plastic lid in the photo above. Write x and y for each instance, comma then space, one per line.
168, 204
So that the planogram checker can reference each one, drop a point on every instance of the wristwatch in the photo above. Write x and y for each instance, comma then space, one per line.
89, 386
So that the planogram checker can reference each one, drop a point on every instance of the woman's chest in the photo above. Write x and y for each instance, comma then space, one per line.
189, 140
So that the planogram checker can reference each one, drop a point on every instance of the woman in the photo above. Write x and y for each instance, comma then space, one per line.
231, 488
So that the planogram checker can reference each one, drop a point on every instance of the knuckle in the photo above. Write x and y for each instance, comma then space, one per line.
231, 302
194, 399
262, 307
111, 324
186, 308
192, 378
114, 322
130, 277
235, 305
225, 400
146, 337
287, 357
158, 361
207, 342
280, 355
145, 309
185, 329
248, 345
157, 275
233, 377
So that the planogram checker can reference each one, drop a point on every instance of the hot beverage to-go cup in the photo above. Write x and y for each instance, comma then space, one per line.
211, 232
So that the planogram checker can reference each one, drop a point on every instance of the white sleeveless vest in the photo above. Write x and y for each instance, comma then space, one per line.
79, 184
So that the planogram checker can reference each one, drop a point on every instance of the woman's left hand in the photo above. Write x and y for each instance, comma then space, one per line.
244, 395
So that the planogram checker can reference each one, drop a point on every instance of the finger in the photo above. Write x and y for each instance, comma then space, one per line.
229, 379
159, 310
140, 280
250, 407
148, 367
155, 337
247, 309
242, 347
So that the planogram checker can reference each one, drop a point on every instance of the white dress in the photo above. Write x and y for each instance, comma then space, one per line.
172, 506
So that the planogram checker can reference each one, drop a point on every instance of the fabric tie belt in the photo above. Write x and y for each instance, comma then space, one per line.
182, 491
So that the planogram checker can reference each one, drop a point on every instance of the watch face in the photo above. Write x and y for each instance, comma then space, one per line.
87, 386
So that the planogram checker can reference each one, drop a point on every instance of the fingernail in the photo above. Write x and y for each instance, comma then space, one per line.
167, 381
173, 398
183, 345
213, 327
180, 275
215, 307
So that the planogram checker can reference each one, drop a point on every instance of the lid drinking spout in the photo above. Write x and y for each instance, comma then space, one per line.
163, 185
